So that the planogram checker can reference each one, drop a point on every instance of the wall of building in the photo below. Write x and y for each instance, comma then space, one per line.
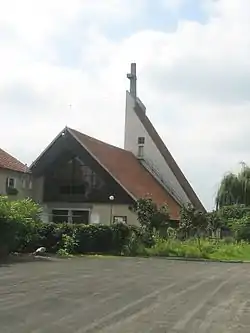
99, 213
23, 191
37, 193
134, 129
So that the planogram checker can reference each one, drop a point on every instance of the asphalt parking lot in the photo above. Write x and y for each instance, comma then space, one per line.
124, 295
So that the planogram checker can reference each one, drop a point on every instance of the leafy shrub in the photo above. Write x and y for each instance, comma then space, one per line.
68, 245
17, 223
150, 216
241, 227
233, 212
193, 222
63, 253
81, 238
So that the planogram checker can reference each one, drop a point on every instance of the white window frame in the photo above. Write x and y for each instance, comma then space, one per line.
120, 217
140, 151
70, 212
14, 182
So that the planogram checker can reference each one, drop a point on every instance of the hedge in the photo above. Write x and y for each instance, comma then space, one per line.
87, 238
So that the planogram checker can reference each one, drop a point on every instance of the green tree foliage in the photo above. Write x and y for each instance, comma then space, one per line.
226, 213
214, 221
193, 222
241, 228
150, 216
234, 189
17, 222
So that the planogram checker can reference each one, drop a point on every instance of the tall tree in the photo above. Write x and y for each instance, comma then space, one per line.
234, 189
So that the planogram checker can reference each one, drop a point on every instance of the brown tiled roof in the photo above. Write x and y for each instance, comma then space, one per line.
128, 171
9, 162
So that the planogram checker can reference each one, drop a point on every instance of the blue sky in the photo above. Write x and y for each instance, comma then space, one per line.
193, 75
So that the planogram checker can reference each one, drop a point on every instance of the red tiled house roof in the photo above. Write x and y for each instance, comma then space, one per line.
11, 163
125, 168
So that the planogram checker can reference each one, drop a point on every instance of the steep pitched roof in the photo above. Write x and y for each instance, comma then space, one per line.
9, 162
141, 114
125, 169
128, 171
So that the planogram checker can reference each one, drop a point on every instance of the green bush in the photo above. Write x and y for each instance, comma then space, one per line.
220, 249
81, 238
17, 223
241, 227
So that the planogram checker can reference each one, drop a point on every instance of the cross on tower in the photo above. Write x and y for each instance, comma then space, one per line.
132, 77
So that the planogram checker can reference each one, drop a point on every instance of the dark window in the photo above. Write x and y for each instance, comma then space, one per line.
59, 216
11, 182
141, 140
80, 216
120, 219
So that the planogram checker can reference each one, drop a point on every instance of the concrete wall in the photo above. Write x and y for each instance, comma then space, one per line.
37, 193
23, 192
99, 213
134, 129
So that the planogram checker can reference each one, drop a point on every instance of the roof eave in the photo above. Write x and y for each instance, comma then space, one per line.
34, 163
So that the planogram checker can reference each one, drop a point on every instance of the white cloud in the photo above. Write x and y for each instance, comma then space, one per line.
194, 81
173, 5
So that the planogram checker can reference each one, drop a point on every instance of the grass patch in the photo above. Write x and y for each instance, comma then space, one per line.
207, 249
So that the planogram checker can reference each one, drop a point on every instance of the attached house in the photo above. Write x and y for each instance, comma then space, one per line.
15, 178
78, 178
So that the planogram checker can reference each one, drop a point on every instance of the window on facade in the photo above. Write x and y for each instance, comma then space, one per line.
80, 216
30, 184
24, 183
70, 216
141, 140
120, 219
59, 215
11, 183
140, 151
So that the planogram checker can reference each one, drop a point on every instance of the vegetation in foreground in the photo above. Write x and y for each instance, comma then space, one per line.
223, 234
207, 249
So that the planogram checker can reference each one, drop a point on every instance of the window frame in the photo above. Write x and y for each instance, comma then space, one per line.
70, 214
8, 182
141, 140
120, 217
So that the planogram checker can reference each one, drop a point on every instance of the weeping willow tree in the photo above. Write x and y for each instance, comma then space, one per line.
234, 189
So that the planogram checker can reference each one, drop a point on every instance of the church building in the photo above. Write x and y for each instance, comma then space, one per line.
78, 178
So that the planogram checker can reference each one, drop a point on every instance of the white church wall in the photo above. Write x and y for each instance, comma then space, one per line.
134, 129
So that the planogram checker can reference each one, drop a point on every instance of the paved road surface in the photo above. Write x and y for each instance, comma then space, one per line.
119, 295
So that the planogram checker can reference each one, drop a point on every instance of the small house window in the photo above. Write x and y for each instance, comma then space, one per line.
120, 219
140, 151
30, 184
24, 183
11, 183
141, 140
